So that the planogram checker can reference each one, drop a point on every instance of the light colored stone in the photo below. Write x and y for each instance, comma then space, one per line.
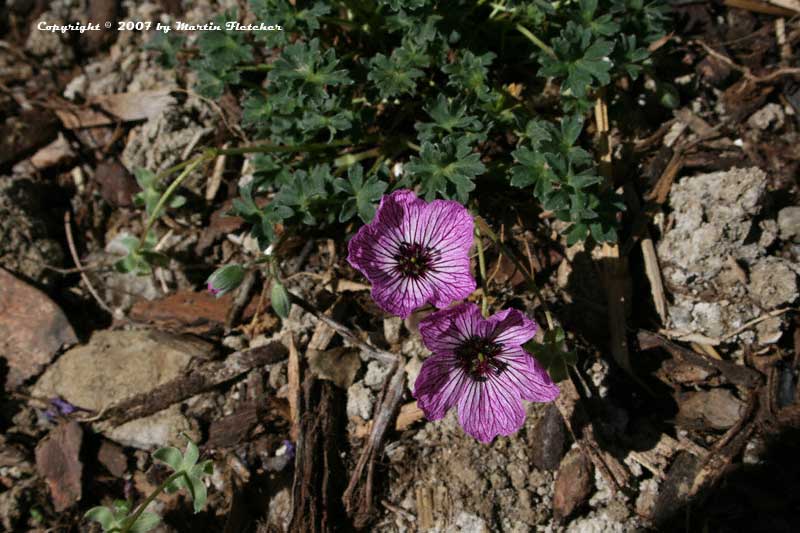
768, 115
359, 401
376, 375
391, 329
789, 223
773, 283
117, 365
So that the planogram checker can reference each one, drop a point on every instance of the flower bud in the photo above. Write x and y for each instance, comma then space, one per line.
225, 279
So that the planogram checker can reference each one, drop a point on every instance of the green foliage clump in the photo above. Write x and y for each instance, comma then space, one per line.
445, 89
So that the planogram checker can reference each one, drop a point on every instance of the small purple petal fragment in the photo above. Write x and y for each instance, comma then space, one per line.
479, 367
63, 406
415, 253
289, 448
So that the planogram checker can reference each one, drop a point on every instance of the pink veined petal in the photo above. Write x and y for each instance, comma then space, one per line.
448, 288
527, 376
402, 217
447, 225
400, 295
445, 330
511, 328
439, 385
490, 408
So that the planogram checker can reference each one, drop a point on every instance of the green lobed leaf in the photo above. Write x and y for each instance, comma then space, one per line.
145, 522
170, 456
101, 515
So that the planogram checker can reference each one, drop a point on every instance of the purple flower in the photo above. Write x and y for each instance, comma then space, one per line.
414, 252
479, 366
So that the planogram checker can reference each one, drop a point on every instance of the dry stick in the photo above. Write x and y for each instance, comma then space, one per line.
344, 331
74, 253
358, 499
651, 266
201, 379
775, 74
613, 266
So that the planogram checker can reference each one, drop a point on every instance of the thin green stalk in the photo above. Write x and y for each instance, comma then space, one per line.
282, 148
482, 269
142, 506
513, 258
535, 40
169, 192
348, 160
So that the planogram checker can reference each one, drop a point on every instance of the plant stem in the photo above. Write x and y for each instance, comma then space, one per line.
170, 191
142, 506
482, 269
528, 277
348, 160
282, 148
535, 40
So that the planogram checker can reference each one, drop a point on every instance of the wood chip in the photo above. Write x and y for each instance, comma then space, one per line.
574, 483
107, 109
58, 462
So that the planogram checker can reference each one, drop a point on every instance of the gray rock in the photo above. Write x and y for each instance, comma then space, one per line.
391, 329
789, 223
719, 280
376, 375
116, 365
766, 116
773, 283
359, 401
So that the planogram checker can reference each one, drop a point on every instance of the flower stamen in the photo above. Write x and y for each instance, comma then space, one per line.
478, 357
413, 260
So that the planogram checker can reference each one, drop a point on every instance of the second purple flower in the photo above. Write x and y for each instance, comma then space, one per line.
414, 252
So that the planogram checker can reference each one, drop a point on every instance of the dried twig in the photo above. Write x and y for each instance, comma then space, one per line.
733, 373
359, 494
201, 379
580, 427
344, 331
772, 76
687, 336
74, 253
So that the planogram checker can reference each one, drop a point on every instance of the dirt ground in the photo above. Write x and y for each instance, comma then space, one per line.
681, 414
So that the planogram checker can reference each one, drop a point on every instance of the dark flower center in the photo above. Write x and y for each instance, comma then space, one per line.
413, 260
478, 357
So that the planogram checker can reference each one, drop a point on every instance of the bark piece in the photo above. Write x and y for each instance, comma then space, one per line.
733, 373
339, 365
198, 313
549, 440
57, 460
715, 409
319, 472
233, 429
574, 483
113, 457
108, 109
117, 186
25, 133
32, 329
201, 379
